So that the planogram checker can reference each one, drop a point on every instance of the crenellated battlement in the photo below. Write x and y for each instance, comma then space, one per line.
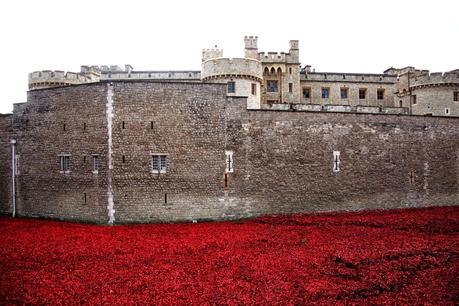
56, 78
208, 54
244, 67
436, 79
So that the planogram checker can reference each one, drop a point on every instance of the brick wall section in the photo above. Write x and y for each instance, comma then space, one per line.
39, 128
283, 161
188, 126
5, 165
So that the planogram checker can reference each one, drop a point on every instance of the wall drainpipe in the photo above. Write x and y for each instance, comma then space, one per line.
13, 169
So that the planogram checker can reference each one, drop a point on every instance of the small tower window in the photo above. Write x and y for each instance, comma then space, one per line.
290, 87
231, 87
254, 89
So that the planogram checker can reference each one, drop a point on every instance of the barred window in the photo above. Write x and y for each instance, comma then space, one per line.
362, 93
95, 163
64, 161
158, 163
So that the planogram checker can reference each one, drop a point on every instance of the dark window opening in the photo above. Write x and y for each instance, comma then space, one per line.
63, 127
123, 125
124, 159
151, 125
456, 96
231, 87
306, 93
325, 93
344, 93
254, 89
84, 159
290, 87
84, 126
290, 70
362, 93
165, 198
414, 100
85, 198
226, 179
380, 94
271, 86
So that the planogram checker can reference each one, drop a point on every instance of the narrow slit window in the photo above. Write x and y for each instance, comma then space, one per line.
290, 87
123, 125
124, 159
151, 125
229, 162
336, 161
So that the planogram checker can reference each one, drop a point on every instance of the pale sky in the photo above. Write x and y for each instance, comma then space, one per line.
335, 36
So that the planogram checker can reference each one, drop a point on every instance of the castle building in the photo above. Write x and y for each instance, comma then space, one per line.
275, 80
242, 137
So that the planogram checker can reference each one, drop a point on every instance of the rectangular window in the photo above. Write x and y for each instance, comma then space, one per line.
325, 93
307, 93
413, 99
254, 89
380, 94
447, 111
344, 93
362, 93
231, 87
64, 161
158, 163
95, 164
290, 87
229, 161
271, 86
456, 96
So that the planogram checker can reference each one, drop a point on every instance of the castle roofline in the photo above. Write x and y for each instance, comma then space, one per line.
150, 71
350, 73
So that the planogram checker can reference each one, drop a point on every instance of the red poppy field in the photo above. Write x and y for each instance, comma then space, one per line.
398, 256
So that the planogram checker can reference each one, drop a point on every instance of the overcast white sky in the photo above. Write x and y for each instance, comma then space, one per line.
341, 36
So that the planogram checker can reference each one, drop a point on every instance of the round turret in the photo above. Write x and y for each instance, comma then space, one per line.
57, 78
243, 76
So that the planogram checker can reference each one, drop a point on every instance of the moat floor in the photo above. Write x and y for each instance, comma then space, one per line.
398, 256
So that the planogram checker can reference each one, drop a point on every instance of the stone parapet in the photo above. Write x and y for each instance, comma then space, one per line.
238, 67
436, 79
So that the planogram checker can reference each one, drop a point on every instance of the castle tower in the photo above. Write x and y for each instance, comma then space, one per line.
243, 76
251, 47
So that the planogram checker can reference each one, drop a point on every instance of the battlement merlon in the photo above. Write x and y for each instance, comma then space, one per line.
436, 79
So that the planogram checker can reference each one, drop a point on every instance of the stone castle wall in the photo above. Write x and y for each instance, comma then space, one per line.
6, 132
283, 160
